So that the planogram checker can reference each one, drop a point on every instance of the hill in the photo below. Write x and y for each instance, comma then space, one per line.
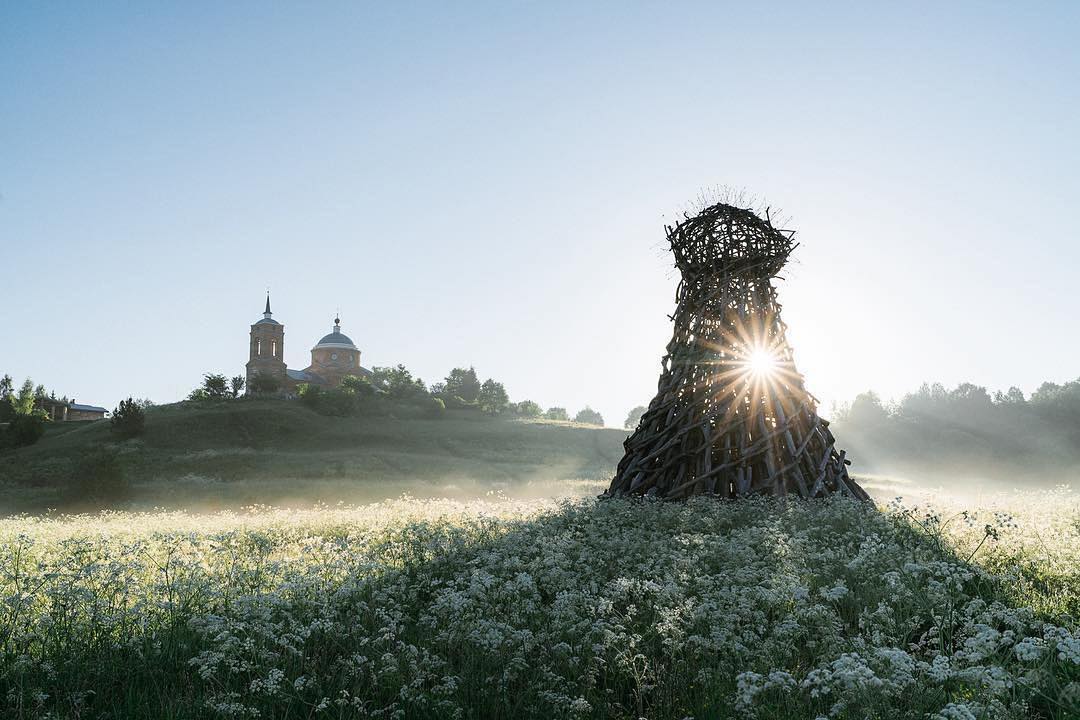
275, 451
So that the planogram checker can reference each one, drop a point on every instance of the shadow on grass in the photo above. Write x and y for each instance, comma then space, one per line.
620, 609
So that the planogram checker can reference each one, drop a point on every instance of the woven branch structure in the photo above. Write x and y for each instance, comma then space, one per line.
731, 416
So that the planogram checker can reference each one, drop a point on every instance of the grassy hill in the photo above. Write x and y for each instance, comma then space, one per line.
274, 451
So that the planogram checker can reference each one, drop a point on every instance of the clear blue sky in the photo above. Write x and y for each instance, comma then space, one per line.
487, 185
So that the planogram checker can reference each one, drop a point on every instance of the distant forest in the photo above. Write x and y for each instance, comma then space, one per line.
967, 431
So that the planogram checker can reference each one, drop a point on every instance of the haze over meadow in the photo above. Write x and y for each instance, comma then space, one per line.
488, 185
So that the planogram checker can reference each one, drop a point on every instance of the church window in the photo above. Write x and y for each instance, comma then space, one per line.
273, 348
258, 347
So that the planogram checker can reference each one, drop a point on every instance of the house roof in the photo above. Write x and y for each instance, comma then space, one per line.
87, 408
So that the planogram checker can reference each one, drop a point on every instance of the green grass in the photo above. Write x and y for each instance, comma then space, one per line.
513, 604
235, 453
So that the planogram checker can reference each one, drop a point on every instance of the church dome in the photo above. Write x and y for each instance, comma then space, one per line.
336, 339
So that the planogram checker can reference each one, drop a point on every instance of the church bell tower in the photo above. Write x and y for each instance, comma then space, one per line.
267, 350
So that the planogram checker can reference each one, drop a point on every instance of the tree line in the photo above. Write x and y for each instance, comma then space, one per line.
396, 385
967, 427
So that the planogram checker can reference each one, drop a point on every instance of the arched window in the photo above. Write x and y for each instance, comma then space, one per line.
273, 348
258, 347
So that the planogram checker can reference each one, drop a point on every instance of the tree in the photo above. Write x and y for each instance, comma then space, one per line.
867, 410
527, 408
634, 417
588, 416
557, 413
24, 401
7, 399
236, 385
1013, 396
398, 382
493, 398
462, 383
361, 386
128, 419
215, 386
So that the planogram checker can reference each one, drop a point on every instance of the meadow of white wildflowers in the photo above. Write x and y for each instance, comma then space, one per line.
572, 609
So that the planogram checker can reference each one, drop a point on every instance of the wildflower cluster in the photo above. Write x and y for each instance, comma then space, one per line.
497, 608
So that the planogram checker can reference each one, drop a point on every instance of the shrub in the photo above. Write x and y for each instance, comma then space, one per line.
337, 402
264, 384
99, 479
457, 402
128, 419
435, 407
26, 429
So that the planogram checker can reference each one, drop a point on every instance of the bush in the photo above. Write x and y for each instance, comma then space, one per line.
435, 407
25, 430
99, 479
264, 385
128, 419
456, 402
336, 402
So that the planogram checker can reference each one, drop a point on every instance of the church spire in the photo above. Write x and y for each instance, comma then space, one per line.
266, 312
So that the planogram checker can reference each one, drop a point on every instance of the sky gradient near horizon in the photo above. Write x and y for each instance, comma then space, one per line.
487, 184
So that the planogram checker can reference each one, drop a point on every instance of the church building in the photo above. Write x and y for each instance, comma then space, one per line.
332, 358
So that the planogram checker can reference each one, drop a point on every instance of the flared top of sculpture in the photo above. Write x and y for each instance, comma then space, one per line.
728, 240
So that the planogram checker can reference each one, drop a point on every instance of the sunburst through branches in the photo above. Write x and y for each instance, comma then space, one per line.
731, 416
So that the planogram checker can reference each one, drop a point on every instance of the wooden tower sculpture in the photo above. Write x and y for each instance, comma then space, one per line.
731, 416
